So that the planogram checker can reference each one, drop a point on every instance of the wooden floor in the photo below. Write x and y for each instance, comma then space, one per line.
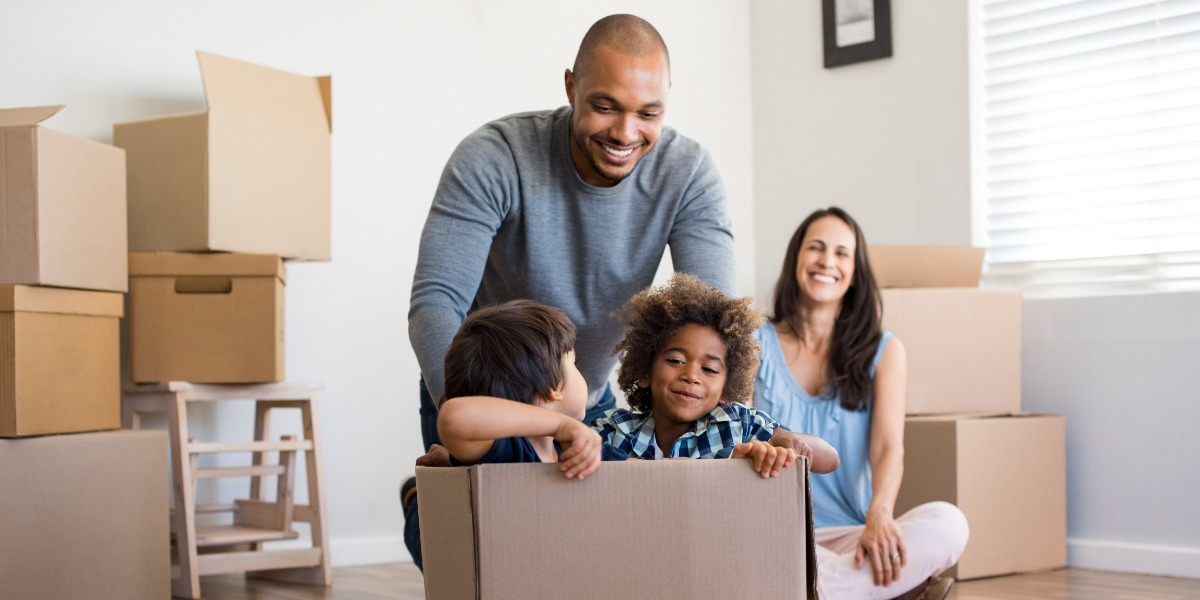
402, 581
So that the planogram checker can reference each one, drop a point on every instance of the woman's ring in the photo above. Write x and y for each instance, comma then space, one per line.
896, 555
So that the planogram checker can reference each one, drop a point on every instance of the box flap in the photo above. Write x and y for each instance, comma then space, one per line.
447, 532
228, 84
26, 298
15, 117
219, 264
926, 266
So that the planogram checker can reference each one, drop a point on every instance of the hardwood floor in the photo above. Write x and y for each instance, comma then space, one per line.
402, 581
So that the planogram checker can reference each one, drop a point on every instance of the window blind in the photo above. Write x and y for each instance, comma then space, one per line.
1091, 121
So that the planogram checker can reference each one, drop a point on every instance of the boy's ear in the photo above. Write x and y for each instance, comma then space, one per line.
555, 395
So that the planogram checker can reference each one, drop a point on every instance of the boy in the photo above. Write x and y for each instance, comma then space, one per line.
687, 365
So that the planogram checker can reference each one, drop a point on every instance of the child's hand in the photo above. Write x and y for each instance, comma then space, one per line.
768, 459
438, 456
787, 439
581, 449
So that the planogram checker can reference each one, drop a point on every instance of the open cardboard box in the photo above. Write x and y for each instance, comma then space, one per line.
250, 174
59, 360
963, 342
206, 317
1007, 473
677, 529
62, 206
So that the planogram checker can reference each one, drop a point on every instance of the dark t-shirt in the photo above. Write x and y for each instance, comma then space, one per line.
520, 450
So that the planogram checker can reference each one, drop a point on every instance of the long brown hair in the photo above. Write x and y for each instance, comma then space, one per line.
857, 330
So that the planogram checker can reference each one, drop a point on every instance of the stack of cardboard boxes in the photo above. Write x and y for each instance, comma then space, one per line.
82, 504
966, 440
217, 200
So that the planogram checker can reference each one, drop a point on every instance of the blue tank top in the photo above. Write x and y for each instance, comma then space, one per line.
841, 497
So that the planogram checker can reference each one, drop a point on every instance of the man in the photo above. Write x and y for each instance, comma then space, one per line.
572, 208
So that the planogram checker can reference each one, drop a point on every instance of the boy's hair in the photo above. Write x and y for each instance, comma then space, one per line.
655, 314
512, 350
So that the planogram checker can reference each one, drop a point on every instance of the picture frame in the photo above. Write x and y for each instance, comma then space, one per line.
856, 31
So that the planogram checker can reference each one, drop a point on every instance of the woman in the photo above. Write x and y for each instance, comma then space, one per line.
827, 368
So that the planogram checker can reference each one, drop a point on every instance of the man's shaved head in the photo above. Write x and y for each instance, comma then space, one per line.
625, 34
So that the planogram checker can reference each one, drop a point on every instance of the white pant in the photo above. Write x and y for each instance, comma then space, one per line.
935, 535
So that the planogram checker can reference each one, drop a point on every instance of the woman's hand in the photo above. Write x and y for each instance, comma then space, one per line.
882, 545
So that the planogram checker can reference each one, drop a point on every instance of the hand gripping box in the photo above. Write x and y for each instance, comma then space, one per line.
62, 206
59, 360
963, 342
1008, 475
670, 529
85, 515
250, 174
206, 318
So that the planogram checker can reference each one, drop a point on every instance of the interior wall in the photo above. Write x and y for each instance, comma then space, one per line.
890, 141
410, 79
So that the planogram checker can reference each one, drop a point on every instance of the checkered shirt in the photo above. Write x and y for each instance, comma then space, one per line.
712, 436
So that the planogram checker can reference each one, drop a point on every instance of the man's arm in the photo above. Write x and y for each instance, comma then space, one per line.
468, 207
702, 236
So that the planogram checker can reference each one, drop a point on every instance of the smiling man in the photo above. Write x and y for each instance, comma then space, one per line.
572, 208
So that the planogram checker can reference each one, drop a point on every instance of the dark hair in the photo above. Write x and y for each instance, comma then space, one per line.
626, 34
857, 331
512, 350
655, 314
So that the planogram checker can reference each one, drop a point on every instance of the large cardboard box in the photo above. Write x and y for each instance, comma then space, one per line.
59, 360
62, 206
250, 174
963, 343
85, 516
648, 529
206, 318
1008, 475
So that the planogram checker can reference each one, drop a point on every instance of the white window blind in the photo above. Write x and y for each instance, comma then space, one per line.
1092, 152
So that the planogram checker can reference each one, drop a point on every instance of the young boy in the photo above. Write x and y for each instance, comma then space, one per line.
687, 365
515, 397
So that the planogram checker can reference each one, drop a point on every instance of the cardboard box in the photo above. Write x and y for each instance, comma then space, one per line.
1008, 475
62, 206
250, 174
59, 360
206, 318
85, 516
663, 529
963, 343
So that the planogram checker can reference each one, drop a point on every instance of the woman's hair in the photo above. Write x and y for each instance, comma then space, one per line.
512, 350
857, 331
656, 314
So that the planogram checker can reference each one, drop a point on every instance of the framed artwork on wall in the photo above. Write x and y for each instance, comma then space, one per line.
856, 31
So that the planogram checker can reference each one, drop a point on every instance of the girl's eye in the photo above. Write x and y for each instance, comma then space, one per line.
674, 361
711, 370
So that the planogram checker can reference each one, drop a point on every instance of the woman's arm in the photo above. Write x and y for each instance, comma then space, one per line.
882, 537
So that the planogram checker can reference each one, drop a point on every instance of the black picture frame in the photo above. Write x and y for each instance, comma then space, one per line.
878, 45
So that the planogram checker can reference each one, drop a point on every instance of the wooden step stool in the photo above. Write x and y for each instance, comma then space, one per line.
240, 547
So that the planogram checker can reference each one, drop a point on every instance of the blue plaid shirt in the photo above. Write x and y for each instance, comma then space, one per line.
712, 436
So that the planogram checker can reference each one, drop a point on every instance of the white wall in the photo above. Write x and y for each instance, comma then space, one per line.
1122, 370
410, 79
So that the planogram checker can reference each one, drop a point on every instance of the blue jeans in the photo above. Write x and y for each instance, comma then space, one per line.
429, 434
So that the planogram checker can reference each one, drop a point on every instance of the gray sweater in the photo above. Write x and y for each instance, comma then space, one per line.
512, 219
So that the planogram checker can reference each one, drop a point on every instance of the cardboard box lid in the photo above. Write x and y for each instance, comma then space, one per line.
226, 81
207, 264
27, 298
926, 266
18, 117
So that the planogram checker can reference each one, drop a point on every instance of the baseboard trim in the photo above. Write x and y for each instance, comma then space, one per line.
368, 551
1134, 558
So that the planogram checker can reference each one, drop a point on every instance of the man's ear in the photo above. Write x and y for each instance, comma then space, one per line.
569, 82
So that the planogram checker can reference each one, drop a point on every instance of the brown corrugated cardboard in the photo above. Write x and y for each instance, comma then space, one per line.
62, 206
250, 174
1008, 475
963, 347
59, 360
926, 266
206, 318
656, 529
85, 516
